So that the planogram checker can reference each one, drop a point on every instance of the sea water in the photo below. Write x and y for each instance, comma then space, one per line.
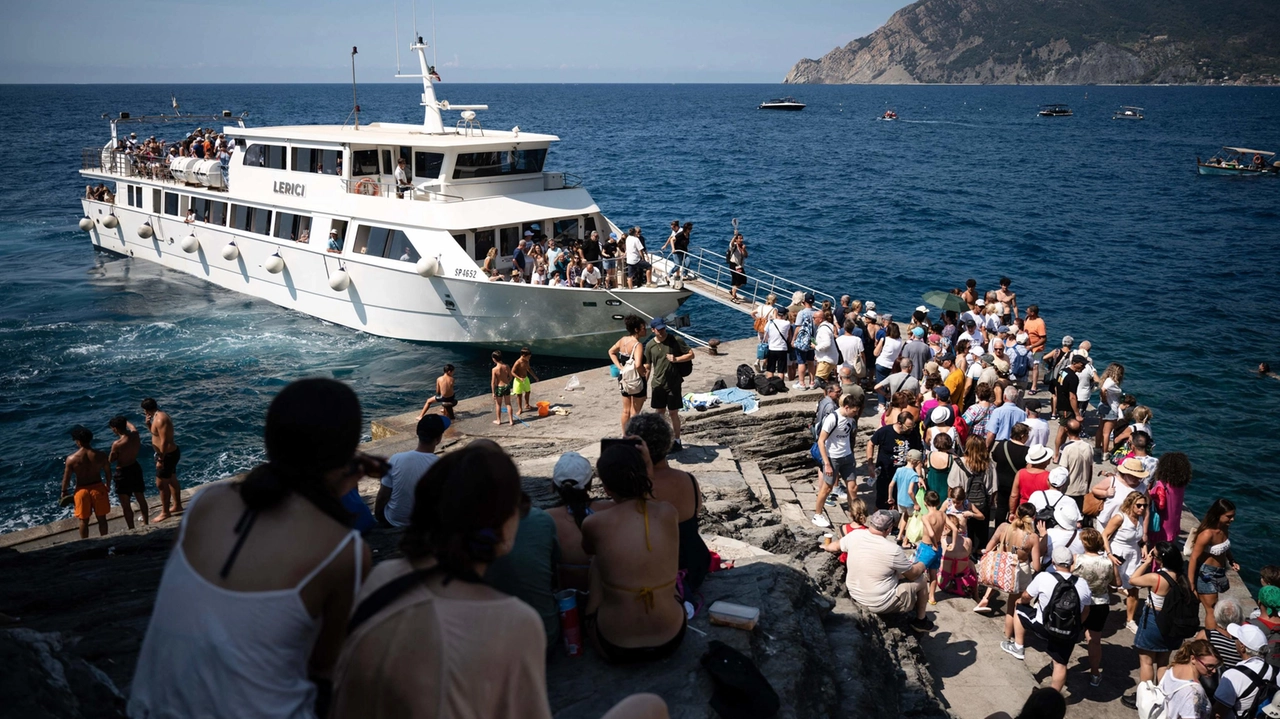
1104, 223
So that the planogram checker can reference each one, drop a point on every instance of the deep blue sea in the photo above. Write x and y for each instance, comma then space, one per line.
1104, 223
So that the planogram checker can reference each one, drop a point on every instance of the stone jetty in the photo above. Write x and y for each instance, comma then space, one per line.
84, 605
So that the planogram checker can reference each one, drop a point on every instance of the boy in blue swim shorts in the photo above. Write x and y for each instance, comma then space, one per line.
929, 551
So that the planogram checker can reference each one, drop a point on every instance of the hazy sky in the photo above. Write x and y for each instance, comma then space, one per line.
140, 41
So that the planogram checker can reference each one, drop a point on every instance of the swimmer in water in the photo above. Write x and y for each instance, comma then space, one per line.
1264, 370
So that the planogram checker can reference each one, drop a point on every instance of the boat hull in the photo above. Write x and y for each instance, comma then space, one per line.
386, 297
1232, 171
782, 108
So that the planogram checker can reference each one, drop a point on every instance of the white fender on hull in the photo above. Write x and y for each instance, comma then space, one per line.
230, 252
274, 264
339, 281
144, 231
85, 224
110, 222
190, 243
427, 266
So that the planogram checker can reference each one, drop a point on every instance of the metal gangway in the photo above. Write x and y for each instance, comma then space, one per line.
709, 275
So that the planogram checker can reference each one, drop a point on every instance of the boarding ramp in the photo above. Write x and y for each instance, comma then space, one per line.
709, 275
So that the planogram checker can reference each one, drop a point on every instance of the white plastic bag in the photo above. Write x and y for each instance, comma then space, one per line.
573, 384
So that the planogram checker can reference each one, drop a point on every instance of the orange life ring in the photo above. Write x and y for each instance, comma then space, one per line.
367, 187
1257, 159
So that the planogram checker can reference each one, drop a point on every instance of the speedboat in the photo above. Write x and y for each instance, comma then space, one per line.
782, 103
1056, 110
400, 230
1128, 112
1239, 161
889, 115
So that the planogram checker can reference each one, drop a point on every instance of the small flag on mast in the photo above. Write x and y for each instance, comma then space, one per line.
431, 73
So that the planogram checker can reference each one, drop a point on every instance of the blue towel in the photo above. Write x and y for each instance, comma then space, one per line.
733, 395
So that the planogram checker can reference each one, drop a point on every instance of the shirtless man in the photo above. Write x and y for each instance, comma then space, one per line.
500, 384
522, 370
128, 473
1009, 300
89, 467
929, 551
444, 395
167, 455
970, 294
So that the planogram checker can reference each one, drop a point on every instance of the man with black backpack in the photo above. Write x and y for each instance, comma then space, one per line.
668, 359
1244, 687
1062, 602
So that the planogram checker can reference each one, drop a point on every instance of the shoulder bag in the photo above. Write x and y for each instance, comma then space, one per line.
999, 569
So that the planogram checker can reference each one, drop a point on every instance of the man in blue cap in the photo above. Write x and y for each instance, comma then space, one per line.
661, 355
394, 504
918, 352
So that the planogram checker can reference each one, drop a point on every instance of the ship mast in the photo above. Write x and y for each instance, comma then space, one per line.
431, 120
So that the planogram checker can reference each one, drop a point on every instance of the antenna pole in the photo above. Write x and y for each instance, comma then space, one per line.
415, 17
396, 5
433, 34
354, 100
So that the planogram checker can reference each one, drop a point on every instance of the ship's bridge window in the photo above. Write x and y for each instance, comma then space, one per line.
324, 162
251, 219
210, 211
501, 162
293, 227
271, 156
382, 242
171, 203
426, 165
566, 229
364, 162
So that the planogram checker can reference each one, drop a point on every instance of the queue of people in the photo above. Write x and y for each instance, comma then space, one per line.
962, 460
151, 157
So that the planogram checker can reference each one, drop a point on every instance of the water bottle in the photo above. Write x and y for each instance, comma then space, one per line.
567, 602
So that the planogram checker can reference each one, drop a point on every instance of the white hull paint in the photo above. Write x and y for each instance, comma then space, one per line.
386, 297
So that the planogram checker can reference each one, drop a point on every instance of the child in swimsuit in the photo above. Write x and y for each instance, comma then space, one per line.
444, 394
929, 551
500, 383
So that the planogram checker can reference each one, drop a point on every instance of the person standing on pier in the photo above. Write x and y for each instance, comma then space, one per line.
660, 356
736, 258
160, 426
521, 387
88, 467
887, 451
500, 385
1036, 335
128, 473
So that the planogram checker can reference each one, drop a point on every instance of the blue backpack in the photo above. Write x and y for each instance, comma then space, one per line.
1021, 363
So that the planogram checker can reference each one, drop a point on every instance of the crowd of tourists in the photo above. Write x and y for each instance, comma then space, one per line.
151, 157
974, 497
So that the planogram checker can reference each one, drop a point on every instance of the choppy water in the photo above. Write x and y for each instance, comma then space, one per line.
1104, 223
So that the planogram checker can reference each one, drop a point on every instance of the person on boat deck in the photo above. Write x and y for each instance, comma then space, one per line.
335, 242
633, 613
679, 489
402, 179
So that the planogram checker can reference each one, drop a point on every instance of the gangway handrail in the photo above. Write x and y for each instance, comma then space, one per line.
760, 283
646, 315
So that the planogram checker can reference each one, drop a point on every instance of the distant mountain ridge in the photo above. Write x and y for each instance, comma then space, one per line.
1061, 42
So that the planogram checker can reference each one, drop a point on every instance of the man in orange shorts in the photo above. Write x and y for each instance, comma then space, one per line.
89, 468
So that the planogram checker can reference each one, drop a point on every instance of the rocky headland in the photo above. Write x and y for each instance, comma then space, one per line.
1060, 42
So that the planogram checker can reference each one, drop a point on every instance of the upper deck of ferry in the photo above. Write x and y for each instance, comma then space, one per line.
383, 133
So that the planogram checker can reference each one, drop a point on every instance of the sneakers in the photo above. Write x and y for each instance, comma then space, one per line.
841, 492
1132, 626
1130, 700
1095, 680
798, 386
676, 446
821, 520
832, 500
1013, 650
922, 625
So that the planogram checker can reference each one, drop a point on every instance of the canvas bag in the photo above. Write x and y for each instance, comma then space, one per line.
630, 380
999, 569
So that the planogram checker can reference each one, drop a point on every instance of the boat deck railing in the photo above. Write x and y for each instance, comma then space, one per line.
370, 187
713, 278
130, 165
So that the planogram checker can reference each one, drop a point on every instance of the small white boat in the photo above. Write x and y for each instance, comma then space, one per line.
782, 103
1055, 110
1128, 112
1240, 161
889, 115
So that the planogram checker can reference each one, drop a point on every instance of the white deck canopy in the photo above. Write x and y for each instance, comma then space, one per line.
1247, 151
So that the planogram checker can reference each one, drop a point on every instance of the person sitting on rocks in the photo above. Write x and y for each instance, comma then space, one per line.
528, 571
633, 614
679, 489
571, 479
880, 577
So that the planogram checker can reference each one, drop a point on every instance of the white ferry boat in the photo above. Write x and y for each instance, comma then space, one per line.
410, 255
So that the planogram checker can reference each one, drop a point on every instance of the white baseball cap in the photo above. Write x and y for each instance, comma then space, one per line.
1058, 477
572, 470
1248, 635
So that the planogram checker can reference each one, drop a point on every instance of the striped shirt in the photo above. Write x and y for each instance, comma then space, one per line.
1225, 646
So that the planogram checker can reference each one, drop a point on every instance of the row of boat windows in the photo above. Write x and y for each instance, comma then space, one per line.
369, 239
382, 161
505, 239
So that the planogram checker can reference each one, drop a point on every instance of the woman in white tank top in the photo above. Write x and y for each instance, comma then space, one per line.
253, 604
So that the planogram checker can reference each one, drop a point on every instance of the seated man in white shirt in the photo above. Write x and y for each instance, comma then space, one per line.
394, 505
1238, 690
880, 577
1039, 617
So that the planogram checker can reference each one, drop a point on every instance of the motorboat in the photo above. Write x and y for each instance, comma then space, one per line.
386, 228
1240, 161
889, 115
1128, 112
782, 103
1056, 110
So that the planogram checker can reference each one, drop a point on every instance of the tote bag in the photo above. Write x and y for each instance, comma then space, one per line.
999, 569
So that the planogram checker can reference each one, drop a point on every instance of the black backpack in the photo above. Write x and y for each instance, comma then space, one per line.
1264, 684
683, 369
779, 384
975, 489
763, 386
1179, 617
741, 691
746, 377
1272, 653
1062, 616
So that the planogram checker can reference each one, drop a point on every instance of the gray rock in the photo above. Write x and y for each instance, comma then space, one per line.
43, 679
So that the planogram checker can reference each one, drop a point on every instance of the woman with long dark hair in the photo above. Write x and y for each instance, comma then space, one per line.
253, 604
633, 614
1211, 556
1109, 394
1153, 647
1168, 489
627, 355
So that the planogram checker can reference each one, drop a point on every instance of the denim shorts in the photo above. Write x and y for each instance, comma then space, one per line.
803, 356
1211, 579
1149, 638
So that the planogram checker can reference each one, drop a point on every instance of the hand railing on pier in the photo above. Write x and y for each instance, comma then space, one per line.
369, 187
713, 271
